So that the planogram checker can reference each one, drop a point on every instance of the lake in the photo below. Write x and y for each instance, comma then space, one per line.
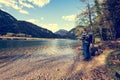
27, 43
32, 59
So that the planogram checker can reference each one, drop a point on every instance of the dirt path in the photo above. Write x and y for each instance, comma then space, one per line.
91, 70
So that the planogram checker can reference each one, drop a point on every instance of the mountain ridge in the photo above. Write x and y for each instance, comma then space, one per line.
67, 34
9, 24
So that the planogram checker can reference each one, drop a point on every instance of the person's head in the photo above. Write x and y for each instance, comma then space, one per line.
84, 30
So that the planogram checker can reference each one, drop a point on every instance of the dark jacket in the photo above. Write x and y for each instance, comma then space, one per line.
86, 37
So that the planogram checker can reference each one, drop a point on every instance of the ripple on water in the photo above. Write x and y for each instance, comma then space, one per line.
43, 58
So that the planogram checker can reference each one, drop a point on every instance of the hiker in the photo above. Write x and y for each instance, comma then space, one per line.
85, 37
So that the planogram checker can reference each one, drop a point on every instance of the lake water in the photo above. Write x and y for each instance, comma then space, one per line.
33, 59
27, 43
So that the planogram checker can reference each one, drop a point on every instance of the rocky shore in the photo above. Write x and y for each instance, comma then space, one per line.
30, 64
21, 38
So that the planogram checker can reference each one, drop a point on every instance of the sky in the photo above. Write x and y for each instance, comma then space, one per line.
50, 14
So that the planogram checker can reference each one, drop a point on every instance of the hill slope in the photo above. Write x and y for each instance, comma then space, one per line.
67, 34
8, 24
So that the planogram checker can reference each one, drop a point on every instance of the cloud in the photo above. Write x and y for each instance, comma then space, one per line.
23, 11
15, 5
53, 27
9, 3
69, 18
68, 26
33, 21
0, 6
25, 4
42, 18
39, 3
21, 4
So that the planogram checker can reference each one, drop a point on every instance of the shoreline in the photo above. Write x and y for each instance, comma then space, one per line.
51, 66
28, 38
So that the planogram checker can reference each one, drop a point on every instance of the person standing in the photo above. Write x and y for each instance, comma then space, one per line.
86, 44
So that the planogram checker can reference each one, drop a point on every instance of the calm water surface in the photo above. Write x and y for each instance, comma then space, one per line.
24, 43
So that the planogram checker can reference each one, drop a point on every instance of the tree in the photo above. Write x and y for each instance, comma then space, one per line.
89, 11
110, 12
113, 7
108, 20
9, 34
99, 18
20, 35
82, 19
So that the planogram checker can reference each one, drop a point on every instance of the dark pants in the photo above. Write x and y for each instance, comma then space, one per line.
86, 50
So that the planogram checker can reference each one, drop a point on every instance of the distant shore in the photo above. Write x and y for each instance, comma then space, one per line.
27, 38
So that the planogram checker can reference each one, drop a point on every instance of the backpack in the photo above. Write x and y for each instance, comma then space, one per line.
86, 37
90, 38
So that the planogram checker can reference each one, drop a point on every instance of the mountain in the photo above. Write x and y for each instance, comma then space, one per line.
9, 24
71, 33
6, 18
62, 32
66, 34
